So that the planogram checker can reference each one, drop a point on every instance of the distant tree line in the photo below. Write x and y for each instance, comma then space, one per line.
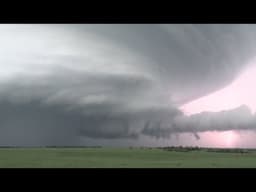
196, 148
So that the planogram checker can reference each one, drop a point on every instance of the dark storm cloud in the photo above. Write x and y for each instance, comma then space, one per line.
239, 118
116, 81
32, 123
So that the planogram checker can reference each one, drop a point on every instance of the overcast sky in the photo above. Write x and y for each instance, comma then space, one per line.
122, 85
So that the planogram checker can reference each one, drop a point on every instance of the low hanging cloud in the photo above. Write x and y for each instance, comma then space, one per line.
34, 123
239, 118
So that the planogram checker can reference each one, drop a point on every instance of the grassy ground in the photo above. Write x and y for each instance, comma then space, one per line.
124, 158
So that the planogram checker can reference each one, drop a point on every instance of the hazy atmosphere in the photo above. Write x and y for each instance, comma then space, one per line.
128, 85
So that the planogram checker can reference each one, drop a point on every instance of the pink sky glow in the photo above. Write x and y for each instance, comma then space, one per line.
242, 91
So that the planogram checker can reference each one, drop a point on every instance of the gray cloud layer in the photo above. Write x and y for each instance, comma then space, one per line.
61, 82
240, 118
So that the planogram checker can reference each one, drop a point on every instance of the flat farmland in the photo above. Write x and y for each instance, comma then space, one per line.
122, 158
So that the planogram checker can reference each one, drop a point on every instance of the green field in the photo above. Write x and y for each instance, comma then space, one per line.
121, 158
